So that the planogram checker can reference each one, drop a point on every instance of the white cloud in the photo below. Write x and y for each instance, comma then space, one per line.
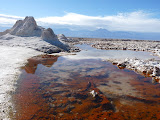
8, 20
11, 16
137, 21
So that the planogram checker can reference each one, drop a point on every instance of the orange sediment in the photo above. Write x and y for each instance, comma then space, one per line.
72, 98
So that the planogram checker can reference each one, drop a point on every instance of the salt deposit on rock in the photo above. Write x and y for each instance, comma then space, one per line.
62, 37
48, 35
120, 44
93, 93
24, 40
26, 28
147, 67
27, 33
35, 43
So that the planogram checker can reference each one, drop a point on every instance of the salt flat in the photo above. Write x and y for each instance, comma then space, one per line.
11, 59
149, 67
23, 41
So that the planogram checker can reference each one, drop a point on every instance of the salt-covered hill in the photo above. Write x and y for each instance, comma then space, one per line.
26, 33
24, 40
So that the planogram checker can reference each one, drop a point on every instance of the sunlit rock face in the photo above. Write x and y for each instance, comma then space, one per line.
49, 36
27, 33
26, 28
62, 37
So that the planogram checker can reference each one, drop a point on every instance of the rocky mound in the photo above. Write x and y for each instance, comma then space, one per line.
49, 36
26, 28
29, 28
62, 37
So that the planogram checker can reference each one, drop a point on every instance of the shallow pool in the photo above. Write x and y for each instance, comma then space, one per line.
52, 87
89, 52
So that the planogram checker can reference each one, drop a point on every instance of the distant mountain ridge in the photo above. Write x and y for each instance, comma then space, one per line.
103, 33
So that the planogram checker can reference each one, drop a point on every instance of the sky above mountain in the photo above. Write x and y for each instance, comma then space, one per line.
114, 15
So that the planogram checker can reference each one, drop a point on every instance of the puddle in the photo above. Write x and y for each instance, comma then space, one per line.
89, 52
52, 87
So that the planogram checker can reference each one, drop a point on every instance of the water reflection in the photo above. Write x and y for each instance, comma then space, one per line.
60, 88
46, 60
89, 52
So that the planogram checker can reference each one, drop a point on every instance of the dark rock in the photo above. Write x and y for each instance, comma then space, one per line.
121, 65
156, 71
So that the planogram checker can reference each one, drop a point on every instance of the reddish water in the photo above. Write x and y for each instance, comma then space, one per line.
52, 87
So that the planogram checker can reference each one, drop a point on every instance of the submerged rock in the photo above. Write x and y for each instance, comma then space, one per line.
94, 94
121, 65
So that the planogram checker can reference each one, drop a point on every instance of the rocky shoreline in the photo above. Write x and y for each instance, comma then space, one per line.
150, 67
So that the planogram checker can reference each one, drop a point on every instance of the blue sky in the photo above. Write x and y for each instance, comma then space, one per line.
114, 15
43, 8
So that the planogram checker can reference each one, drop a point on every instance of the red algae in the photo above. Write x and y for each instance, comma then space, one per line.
68, 98
26, 99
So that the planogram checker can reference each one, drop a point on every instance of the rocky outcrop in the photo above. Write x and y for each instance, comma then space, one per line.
49, 36
156, 71
62, 37
26, 28
150, 67
4, 33
42, 39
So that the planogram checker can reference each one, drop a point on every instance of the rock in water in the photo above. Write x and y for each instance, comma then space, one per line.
156, 71
94, 94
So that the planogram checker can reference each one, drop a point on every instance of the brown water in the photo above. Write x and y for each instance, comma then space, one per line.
52, 87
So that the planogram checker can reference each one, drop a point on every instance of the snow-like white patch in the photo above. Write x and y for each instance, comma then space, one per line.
94, 93
11, 59
151, 67
37, 43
